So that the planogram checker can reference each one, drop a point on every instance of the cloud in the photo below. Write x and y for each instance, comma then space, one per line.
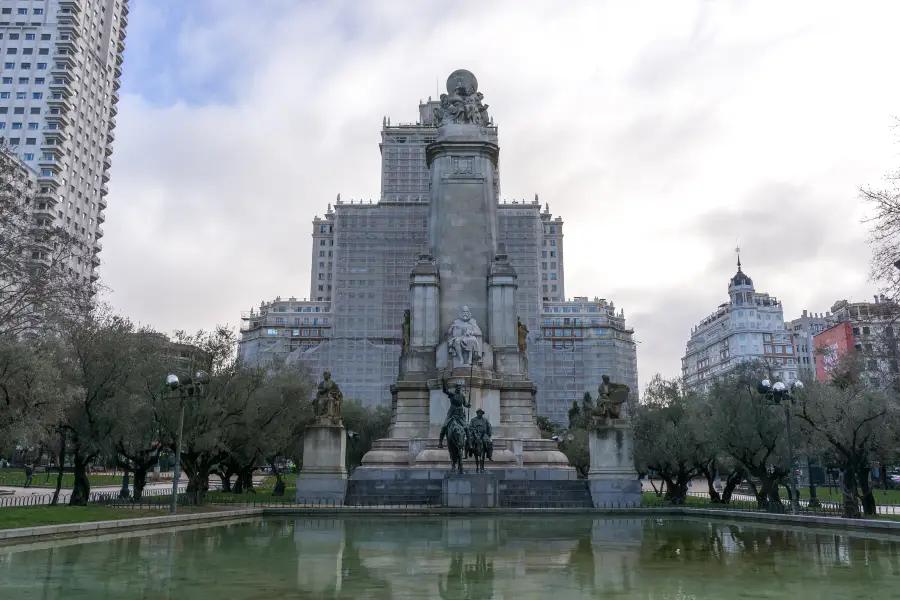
663, 133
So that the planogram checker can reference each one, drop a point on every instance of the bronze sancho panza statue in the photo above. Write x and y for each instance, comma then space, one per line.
327, 405
610, 398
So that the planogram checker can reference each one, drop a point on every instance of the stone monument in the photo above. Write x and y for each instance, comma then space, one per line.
323, 475
463, 324
612, 478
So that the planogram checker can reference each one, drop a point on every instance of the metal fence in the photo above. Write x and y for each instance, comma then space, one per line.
150, 498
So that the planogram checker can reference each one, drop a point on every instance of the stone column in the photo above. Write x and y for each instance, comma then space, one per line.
612, 478
424, 302
502, 321
323, 476
462, 227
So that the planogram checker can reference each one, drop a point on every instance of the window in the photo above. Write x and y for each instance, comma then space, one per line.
2, 124
17, 126
552, 242
324, 229
321, 253
19, 110
29, 36
21, 95
39, 11
12, 50
45, 36
30, 141
46, 173
866, 331
43, 51
9, 65
23, 81
321, 242
7, 80
32, 126
6, 11
37, 95
789, 349
553, 276
14, 36
42, 66
27, 50
22, 11
553, 252
768, 349
778, 349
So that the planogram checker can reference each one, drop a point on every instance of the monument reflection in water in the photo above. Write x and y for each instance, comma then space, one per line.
520, 557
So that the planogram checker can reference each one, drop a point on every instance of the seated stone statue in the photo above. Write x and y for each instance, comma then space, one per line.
610, 398
464, 340
327, 405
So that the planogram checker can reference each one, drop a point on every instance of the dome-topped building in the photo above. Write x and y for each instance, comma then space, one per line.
748, 327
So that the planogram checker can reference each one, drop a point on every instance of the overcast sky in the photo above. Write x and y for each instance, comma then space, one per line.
664, 133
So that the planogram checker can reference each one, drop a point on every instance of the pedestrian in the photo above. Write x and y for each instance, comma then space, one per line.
29, 473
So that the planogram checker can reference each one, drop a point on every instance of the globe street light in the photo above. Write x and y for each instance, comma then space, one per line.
185, 385
780, 393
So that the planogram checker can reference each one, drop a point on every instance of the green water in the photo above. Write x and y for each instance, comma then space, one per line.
510, 558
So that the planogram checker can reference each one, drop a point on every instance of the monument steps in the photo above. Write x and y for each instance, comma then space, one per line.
573, 493
409, 492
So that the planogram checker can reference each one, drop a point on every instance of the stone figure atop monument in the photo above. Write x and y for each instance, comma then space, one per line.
610, 398
464, 340
462, 104
327, 405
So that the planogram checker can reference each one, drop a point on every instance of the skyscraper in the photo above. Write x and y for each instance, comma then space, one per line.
62, 60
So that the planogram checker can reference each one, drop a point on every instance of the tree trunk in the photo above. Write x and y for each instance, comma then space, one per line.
62, 466
709, 473
225, 477
851, 502
676, 488
81, 489
868, 498
245, 476
731, 482
140, 480
197, 469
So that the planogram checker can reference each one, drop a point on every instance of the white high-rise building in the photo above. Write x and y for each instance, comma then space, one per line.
62, 60
750, 326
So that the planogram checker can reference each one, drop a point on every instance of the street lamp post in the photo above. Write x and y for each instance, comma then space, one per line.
779, 393
184, 385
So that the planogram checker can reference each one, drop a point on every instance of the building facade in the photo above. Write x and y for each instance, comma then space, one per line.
362, 256
750, 326
803, 329
870, 331
62, 61
578, 342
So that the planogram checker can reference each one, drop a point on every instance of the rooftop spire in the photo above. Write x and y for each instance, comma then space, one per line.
737, 251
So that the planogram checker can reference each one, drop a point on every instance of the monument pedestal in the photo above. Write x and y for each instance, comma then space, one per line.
612, 478
469, 490
323, 476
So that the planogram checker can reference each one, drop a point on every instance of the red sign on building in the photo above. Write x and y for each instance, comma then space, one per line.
832, 345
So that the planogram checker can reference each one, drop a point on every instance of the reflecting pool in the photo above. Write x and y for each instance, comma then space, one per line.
513, 558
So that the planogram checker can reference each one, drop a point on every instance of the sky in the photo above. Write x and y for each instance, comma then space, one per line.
665, 133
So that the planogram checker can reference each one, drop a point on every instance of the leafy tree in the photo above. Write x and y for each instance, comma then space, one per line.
858, 423
750, 430
666, 435
365, 424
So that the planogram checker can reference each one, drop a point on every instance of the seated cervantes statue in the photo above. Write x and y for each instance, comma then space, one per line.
327, 405
610, 398
464, 340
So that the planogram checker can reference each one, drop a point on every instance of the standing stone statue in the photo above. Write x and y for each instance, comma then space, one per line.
464, 340
407, 319
522, 331
327, 405
456, 413
610, 398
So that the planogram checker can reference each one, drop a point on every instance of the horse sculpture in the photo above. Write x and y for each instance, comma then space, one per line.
479, 451
456, 444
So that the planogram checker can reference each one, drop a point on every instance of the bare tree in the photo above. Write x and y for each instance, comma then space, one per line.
38, 277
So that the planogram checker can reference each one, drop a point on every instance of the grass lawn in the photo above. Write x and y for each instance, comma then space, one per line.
35, 516
16, 477
882, 497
